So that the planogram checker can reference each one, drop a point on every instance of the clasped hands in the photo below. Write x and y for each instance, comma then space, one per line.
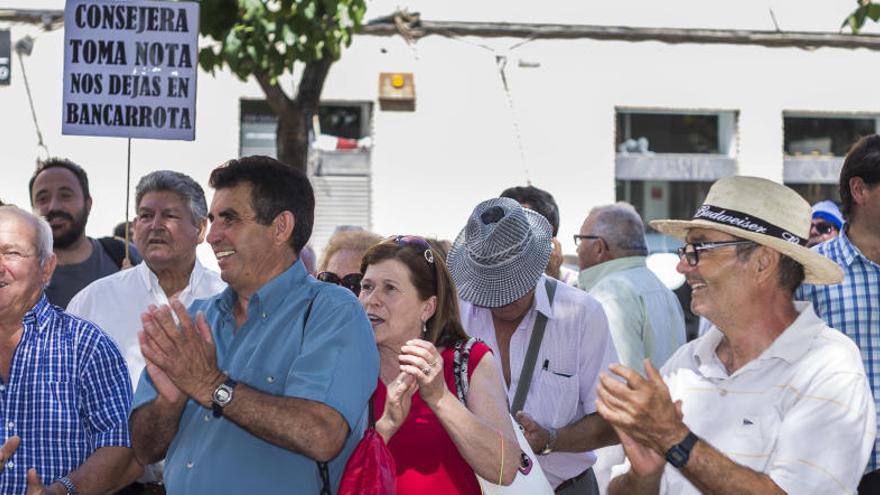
641, 411
180, 358
421, 369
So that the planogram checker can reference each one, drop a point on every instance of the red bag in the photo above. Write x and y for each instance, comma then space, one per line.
371, 469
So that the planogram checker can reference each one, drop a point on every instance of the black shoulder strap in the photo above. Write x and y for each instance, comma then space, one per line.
528, 369
114, 248
323, 469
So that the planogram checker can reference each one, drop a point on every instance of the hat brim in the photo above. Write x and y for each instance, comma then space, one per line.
818, 269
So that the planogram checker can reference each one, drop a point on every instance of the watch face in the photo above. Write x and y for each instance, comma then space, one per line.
223, 394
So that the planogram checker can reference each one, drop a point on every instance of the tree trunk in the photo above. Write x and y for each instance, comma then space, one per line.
292, 138
295, 119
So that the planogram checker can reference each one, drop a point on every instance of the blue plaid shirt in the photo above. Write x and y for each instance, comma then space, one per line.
68, 395
853, 307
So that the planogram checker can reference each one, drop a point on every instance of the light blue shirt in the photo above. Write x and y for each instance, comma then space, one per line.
853, 307
331, 359
644, 316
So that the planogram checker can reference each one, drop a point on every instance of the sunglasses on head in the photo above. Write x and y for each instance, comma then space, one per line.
415, 241
352, 281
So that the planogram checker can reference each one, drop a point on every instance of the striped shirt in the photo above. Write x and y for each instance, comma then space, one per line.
853, 307
68, 395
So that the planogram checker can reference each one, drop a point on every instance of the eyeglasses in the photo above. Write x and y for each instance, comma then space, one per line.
578, 238
691, 251
823, 228
352, 281
416, 241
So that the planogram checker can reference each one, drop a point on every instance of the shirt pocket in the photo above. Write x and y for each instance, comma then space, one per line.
556, 394
63, 410
754, 438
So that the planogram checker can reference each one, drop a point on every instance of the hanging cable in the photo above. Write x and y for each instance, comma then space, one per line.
26, 44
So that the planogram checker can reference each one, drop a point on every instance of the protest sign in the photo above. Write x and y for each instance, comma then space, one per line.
130, 68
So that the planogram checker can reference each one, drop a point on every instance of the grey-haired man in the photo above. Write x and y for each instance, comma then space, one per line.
497, 263
770, 399
171, 222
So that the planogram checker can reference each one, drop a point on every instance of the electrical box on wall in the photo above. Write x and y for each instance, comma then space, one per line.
397, 91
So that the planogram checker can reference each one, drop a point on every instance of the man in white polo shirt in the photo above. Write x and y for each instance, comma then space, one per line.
770, 399
170, 223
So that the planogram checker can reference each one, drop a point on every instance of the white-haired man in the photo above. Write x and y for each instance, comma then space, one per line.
65, 390
770, 399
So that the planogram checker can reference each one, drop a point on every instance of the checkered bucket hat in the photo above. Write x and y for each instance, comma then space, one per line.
499, 256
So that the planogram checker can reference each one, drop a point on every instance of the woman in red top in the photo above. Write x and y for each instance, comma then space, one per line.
437, 442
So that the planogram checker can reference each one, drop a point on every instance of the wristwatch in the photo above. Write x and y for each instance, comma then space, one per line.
679, 453
551, 442
222, 396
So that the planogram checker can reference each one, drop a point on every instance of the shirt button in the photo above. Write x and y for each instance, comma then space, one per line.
10, 465
264, 316
189, 465
207, 418
10, 425
270, 378
2, 388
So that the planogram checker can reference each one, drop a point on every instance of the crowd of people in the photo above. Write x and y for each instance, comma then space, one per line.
478, 362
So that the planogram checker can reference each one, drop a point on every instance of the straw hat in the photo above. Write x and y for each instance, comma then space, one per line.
499, 256
762, 211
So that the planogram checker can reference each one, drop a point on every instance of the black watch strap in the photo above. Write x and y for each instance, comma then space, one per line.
679, 454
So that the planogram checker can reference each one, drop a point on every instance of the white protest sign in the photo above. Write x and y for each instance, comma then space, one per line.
130, 68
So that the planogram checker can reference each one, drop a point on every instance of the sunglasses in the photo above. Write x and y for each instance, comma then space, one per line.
415, 241
352, 281
691, 251
823, 228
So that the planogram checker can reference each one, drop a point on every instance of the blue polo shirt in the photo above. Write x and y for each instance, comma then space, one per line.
331, 359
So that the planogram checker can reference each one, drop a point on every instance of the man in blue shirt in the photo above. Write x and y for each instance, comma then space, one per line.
65, 391
272, 374
853, 307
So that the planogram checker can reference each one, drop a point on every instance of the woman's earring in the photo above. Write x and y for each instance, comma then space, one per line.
424, 328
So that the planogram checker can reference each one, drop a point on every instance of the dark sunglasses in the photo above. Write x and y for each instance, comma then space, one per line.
691, 251
352, 281
823, 228
415, 241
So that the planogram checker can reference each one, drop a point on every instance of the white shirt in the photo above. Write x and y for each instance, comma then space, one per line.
801, 412
645, 317
115, 304
576, 347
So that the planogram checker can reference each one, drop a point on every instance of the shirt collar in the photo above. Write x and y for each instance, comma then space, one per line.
790, 346
269, 297
591, 276
38, 313
848, 251
151, 281
542, 302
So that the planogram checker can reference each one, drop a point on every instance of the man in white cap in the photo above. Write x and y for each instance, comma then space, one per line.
771, 399
826, 223
550, 340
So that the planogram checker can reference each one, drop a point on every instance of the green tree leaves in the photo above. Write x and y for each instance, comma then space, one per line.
270, 35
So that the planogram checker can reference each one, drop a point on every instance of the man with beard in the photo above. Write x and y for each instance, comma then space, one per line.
59, 191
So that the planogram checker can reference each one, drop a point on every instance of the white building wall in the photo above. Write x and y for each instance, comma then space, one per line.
459, 146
